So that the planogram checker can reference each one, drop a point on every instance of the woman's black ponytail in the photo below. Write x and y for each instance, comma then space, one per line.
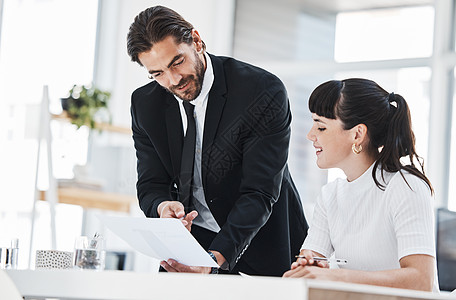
400, 142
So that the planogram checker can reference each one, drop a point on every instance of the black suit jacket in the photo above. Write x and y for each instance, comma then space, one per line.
245, 176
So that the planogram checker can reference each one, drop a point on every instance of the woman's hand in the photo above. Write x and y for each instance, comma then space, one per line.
416, 272
314, 272
306, 258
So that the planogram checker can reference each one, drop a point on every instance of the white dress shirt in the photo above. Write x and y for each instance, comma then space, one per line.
205, 218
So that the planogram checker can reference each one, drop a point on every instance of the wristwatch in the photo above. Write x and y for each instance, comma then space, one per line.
214, 270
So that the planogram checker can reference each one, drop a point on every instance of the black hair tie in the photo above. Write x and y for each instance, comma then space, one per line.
391, 98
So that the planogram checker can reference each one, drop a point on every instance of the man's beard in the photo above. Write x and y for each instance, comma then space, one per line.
195, 83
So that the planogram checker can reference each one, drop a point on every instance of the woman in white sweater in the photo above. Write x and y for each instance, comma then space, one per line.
380, 218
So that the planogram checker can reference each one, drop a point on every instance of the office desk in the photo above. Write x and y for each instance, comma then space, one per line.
116, 285
319, 290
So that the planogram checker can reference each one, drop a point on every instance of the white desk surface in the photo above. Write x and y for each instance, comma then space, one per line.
115, 285
76, 284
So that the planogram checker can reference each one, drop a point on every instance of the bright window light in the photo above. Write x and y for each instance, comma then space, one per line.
384, 34
42, 43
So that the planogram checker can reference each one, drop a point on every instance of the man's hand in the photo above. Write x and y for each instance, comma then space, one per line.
188, 219
171, 209
175, 209
173, 266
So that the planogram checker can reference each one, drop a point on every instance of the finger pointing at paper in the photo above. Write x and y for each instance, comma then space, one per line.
175, 209
189, 219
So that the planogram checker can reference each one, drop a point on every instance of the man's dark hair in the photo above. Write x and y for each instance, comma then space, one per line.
154, 25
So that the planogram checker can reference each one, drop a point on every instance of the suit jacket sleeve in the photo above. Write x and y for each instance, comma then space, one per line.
265, 143
154, 184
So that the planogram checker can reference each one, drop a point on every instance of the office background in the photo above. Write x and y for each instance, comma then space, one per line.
407, 46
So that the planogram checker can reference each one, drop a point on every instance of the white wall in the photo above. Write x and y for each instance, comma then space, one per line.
271, 31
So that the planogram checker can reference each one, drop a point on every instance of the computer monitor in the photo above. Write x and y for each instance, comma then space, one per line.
446, 249
119, 260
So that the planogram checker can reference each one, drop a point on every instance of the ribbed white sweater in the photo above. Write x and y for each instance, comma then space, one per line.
371, 228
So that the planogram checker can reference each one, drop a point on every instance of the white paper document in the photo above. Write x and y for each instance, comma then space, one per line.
160, 238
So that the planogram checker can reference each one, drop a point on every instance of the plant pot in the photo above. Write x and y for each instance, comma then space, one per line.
66, 102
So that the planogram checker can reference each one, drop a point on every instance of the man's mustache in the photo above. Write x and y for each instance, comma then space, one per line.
181, 83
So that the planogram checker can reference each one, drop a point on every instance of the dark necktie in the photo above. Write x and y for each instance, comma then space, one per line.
188, 157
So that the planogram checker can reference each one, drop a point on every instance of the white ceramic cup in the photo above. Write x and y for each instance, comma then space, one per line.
53, 259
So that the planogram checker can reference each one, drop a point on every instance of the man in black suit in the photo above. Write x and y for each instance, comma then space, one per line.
239, 201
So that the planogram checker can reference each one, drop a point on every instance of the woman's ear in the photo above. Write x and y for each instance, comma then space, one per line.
360, 134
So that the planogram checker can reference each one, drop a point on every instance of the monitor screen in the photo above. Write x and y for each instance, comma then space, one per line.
446, 249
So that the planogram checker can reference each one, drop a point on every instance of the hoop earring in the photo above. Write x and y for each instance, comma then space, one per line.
357, 150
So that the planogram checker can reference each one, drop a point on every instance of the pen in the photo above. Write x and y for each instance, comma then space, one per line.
336, 260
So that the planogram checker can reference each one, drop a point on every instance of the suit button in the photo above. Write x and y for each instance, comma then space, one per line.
213, 200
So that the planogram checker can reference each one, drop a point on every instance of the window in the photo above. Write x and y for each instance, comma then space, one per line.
45, 42
42, 43
390, 34
382, 34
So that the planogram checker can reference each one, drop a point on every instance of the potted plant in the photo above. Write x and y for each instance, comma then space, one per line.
84, 105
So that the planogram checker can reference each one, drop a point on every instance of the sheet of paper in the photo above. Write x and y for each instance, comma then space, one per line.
160, 238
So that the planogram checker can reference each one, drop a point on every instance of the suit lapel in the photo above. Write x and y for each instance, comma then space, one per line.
175, 132
214, 110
